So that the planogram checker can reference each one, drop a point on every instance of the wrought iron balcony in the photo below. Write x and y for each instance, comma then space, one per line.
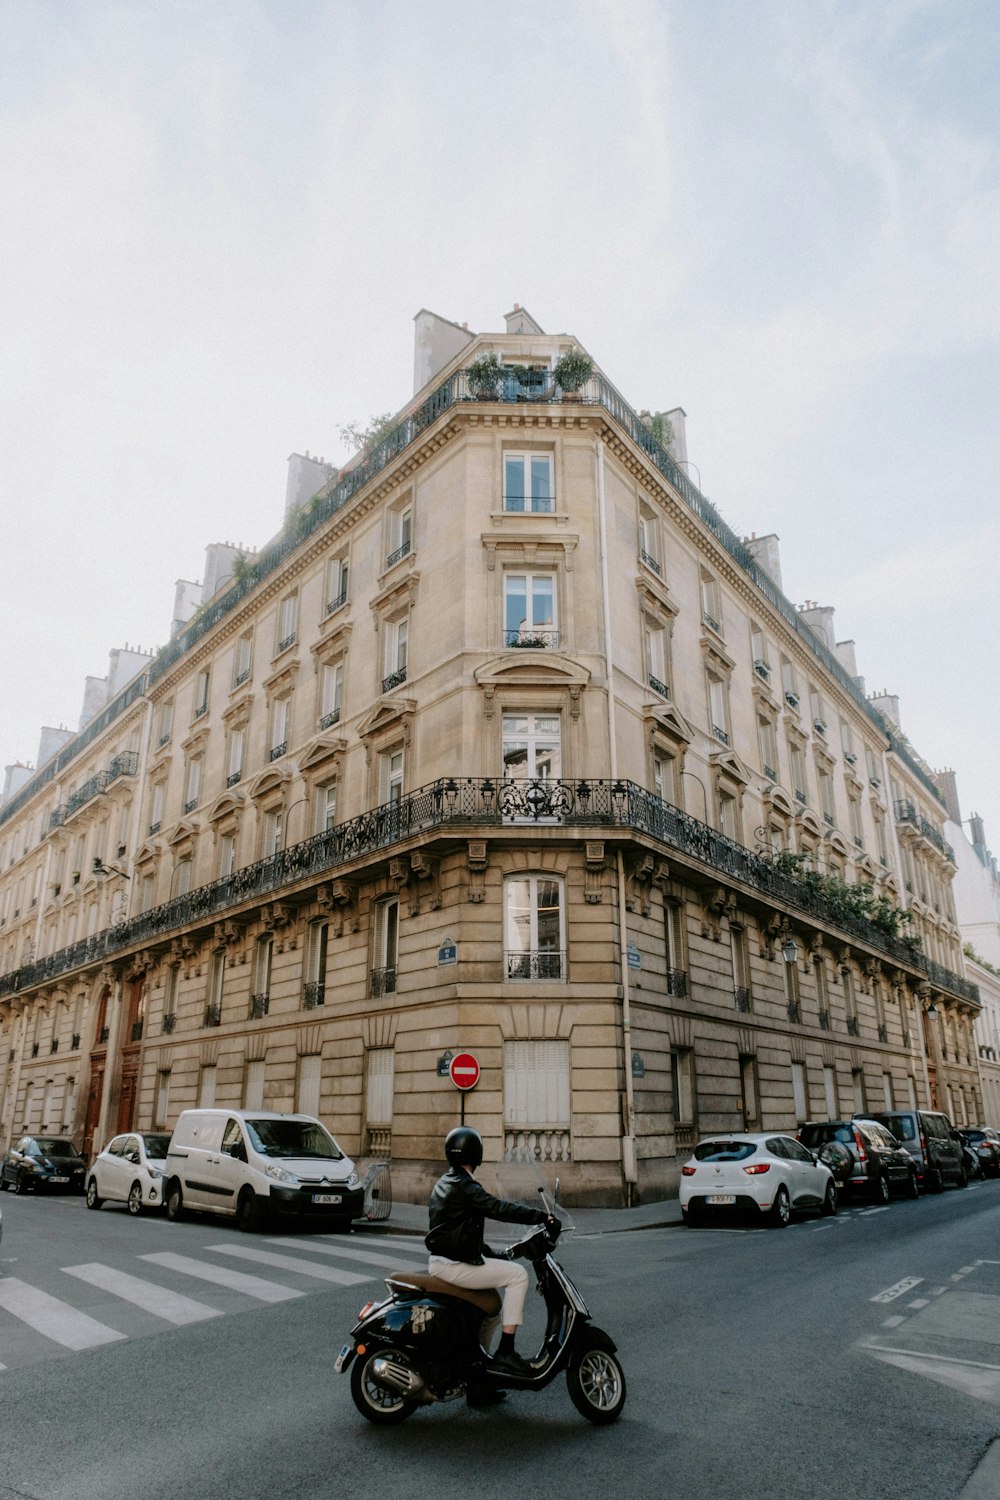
190, 804
332, 605
283, 645
213, 1015
711, 622
74, 1042
741, 999
137, 1031
277, 751
169, 1022
853, 1029
328, 720
154, 828
527, 637
382, 982
883, 1033
650, 561
54, 1045
482, 802
234, 778
201, 710
241, 677
720, 734
770, 773
398, 555
763, 670
394, 680
658, 686
259, 1006
544, 963
677, 983
907, 813
313, 994
124, 764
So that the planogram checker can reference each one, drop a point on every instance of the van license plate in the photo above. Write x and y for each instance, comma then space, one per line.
326, 1197
720, 1198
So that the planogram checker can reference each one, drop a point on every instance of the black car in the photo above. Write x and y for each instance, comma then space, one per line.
932, 1142
986, 1145
863, 1156
43, 1161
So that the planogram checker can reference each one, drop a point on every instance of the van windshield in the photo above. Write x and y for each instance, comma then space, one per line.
902, 1126
296, 1139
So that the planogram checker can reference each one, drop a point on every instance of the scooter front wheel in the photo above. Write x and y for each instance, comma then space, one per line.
383, 1407
596, 1383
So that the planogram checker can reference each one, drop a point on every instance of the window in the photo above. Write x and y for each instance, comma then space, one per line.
260, 1000
216, 977
201, 686
533, 917
830, 1092
314, 992
850, 1001
227, 855
253, 1085
858, 1090
243, 660
170, 991
182, 876
400, 536
649, 538
531, 746
749, 1092
192, 785
822, 991
379, 1073
336, 583
527, 482
274, 820
847, 743
146, 892
288, 619
664, 776
742, 993
758, 654
383, 978
768, 747
728, 815
797, 765
529, 610
854, 813
682, 1081
789, 685
657, 672
206, 1087
873, 768
309, 1082
718, 707
711, 609
825, 782
818, 710
674, 948
331, 692
536, 1088
156, 807
237, 748
887, 1099
800, 1090
391, 776
792, 997
326, 807
396, 639
281, 713
166, 726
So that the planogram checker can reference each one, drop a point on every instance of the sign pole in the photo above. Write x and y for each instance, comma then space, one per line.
464, 1073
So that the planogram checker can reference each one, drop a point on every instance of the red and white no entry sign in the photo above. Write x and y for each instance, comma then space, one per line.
464, 1070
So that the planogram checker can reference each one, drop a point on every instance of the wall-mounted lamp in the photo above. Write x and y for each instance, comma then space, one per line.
100, 868
932, 1010
789, 950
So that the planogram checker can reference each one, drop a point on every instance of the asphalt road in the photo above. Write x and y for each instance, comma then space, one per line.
858, 1356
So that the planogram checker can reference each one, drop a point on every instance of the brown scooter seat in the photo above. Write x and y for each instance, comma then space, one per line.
487, 1299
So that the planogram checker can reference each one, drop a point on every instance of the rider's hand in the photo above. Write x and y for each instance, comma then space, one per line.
552, 1225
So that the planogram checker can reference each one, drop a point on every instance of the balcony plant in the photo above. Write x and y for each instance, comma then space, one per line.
572, 371
484, 377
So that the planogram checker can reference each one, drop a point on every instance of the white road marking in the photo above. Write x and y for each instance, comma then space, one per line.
944, 1359
291, 1263
866, 1213
936, 1291
892, 1292
369, 1257
237, 1281
965, 1270
55, 1319
894, 1322
172, 1307
918, 1303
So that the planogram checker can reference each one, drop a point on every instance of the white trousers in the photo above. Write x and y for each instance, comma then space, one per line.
496, 1273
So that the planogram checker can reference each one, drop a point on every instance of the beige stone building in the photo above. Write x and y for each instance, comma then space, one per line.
506, 743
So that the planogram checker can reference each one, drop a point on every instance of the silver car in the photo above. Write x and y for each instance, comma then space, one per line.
130, 1170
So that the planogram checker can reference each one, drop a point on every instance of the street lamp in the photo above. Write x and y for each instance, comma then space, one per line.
789, 950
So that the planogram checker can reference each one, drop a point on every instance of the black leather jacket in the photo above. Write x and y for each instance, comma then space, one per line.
457, 1211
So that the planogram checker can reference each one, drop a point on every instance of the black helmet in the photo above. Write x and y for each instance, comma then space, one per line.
464, 1147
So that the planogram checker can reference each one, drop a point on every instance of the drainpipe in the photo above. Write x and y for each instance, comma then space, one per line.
628, 1138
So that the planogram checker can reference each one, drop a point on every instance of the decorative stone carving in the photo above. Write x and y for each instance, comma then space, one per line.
477, 869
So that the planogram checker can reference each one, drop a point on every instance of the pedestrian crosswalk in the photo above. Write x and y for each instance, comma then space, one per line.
143, 1293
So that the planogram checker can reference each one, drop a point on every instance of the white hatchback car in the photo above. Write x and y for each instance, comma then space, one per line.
131, 1170
771, 1175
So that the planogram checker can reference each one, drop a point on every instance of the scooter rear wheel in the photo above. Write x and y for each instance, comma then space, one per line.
596, 1383
383, 1407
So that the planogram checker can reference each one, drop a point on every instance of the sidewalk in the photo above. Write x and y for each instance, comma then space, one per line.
411, 1218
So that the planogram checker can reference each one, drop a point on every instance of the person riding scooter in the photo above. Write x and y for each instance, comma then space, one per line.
457, 1212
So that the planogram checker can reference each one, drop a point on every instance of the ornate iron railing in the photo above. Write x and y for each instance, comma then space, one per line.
467, 802
527, 638
313, 994
394, 680
125, 764
543, 963
677, 983
259, 1006
907, 813
383, 982
658, 686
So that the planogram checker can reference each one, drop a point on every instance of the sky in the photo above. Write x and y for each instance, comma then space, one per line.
219, 217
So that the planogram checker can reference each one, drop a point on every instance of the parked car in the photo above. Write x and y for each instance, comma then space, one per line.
931, 1140
768, 1176
985, 1143
43, 1161
864, 1157
132, 1169
252, 1164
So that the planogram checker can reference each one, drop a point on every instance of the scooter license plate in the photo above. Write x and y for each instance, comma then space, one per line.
721, 1198
338, 1365
326, 1197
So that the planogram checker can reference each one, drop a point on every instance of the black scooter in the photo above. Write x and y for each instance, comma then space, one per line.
421, 1344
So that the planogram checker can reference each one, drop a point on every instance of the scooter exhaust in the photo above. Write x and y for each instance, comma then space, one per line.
397, 1378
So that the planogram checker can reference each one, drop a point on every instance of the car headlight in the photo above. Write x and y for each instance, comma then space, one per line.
280, 1174
354, 1180
156, 1173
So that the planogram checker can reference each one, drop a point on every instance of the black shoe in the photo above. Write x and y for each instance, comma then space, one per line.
510, 1363
485, 1395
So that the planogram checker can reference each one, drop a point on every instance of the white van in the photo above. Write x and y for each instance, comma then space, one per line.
255, 1163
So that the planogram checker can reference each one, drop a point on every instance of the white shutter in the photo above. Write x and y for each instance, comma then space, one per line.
254, 1088
310, 1073
536, 1084
381, 1069
206, 1089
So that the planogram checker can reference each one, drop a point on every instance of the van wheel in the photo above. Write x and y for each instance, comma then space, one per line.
935, 1182
175, 1200
249, 1211
913, 1186
134, 1200
882, 1190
